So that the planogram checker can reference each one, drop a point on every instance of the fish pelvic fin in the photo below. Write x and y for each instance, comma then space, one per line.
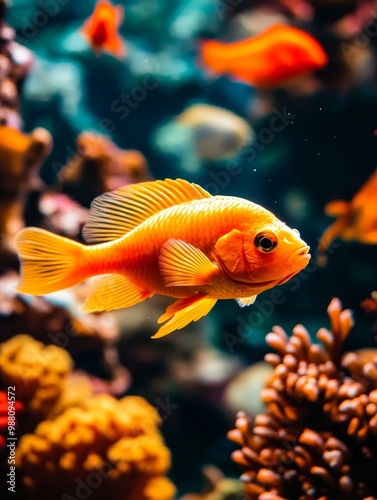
114, 214
246, 301
183, 264
49, 262
113, 291
182, 312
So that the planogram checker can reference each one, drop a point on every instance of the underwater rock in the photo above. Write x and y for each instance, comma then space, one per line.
15, 63
58, 320
317, 438
106, 438
100, 166
55, 318
21, 156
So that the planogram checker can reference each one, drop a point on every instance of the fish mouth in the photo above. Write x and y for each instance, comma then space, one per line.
301, 254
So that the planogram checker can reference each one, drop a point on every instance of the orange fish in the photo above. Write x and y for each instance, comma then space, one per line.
270, 59
101, 29
357, 219
171, 238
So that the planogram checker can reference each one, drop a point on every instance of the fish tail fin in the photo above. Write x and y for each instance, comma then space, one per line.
49, 262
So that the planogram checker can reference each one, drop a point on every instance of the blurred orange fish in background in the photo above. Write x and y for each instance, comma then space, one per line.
171, 238
357, 219
269, 59
101, 29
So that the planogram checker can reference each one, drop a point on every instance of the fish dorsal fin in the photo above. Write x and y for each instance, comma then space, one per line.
116, 213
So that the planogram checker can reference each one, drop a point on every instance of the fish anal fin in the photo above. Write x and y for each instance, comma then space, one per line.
116, 213
113, 291
337, 208
184, 311
182, 264
246, 301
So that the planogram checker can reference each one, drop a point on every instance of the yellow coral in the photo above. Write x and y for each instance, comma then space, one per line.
159, 488
108, 447
39, 372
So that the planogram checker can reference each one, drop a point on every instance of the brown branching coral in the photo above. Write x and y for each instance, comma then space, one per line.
100, 166
318, 436
38, 372
109, 448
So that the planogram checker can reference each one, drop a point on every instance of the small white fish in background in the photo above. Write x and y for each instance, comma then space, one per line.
204, 133
218, 133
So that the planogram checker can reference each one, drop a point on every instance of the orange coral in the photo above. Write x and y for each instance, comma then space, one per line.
111, 448
21, 156
37, 371
100, 166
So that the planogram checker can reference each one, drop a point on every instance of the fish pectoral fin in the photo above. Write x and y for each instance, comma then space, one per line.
337, 208
182, 264
182, 312
246, 301
113, 291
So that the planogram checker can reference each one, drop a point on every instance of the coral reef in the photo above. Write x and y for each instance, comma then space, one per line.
20, 157
15, 64
110, 448
318, 436
38, 372
100, 166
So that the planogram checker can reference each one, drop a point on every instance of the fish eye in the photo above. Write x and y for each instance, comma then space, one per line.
266, 241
